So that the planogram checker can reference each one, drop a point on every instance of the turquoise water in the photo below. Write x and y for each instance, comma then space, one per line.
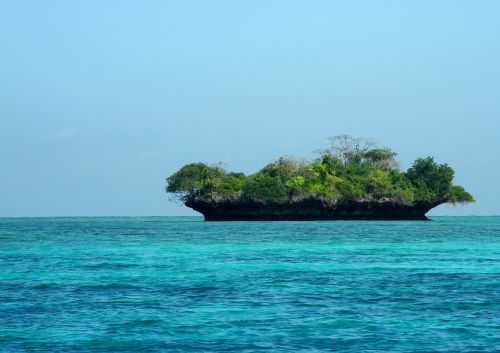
164, 284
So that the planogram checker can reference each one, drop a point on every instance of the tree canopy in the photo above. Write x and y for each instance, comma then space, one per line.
349, 169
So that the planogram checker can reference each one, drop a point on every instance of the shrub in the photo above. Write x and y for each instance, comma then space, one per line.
350, 169
263, 187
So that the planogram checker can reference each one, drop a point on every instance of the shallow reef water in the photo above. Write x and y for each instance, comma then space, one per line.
177, 284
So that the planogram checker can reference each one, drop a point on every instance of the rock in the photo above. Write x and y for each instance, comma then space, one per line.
310, 209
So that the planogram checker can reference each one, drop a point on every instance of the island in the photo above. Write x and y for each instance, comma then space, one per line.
351, 179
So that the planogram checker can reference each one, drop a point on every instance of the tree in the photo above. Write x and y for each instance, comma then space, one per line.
350, 169
284, 168
262, 187
347, 148
384, 158
425, 173
195, 179
333, 165
232, 185
457, 194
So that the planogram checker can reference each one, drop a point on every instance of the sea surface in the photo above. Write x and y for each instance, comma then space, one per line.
167, 284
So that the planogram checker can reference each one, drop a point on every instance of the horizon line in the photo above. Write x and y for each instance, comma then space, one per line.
201, 216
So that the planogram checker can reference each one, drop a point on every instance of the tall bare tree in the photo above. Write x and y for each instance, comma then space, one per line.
348, 148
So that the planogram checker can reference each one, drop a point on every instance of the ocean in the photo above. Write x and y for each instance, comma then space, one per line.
178, 284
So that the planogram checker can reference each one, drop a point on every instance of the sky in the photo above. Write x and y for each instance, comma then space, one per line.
101, 100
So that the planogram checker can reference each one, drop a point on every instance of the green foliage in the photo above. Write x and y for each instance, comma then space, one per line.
349, 188
283, 169
295, 185
383, 158
433, 180
333, 165
403, 189
195, 179
318, 181
379, 183
351, 169
263, 187
379, 154
457, 194
232, 184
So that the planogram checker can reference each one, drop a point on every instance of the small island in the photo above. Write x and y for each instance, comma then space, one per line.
352, 179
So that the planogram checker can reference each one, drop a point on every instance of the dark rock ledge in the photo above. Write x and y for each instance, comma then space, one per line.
311, 209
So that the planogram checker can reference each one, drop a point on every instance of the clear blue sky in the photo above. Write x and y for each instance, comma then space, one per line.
101, 100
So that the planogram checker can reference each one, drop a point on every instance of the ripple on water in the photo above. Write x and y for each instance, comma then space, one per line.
177, 285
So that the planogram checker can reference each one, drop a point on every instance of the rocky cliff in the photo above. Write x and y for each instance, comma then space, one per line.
311, 209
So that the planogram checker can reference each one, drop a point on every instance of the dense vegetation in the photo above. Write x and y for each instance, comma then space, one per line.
350, 169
